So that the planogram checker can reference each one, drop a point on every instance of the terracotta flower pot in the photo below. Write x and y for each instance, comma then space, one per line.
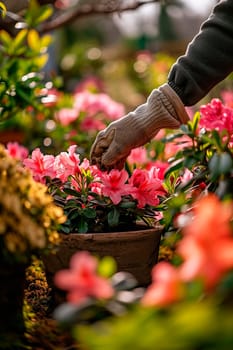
134, 251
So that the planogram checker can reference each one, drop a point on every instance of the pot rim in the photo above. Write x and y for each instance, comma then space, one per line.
140, 233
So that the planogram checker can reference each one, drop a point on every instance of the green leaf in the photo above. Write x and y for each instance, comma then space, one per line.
71, 192
107, 266
5, 38
45, 41
127, 205
189, 162
195, 121
34, 40
40, 61
19, 39
226, 163
175, 167
214, 165
89, 213
82, 226
46, 12
37, 14
3, 10
113, 217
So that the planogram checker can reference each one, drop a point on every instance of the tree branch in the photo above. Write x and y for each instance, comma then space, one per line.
89, 10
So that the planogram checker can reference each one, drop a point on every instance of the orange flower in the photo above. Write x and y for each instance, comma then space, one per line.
166, 287
207, 246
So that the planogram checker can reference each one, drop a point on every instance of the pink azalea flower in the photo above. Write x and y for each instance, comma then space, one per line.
112, 109
146, 187
227, 96
166, 287
15, 150
207, 246
160, 166
86, 102
138, 156
90, 124
67, 163
190, 111
93, 104
160, 134
40, 165
187, 176
215, 115
96, 187
114, 184
172, 148
86, 164
81, 280
66, 116
91, 84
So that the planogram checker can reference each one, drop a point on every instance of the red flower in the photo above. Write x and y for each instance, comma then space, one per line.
215, 115
114, 184
40, 165
81, 280
146, 186
66, 116
67, 163
16, 150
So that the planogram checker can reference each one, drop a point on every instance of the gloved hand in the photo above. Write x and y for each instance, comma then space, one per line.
112, 146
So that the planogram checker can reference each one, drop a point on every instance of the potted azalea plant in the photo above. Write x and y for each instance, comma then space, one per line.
29, 222
112, 214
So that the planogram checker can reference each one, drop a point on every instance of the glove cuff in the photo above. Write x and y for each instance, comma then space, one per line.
180, 112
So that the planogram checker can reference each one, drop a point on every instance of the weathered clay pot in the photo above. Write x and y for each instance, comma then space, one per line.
134, 251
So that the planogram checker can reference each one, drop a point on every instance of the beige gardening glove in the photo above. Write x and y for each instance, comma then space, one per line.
163, 109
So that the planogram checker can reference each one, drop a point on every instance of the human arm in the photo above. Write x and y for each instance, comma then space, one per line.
208, 58
207, 61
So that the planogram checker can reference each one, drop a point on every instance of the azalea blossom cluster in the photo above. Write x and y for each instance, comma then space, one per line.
216, 115
76, 117
113, 195
206, 250
91, 109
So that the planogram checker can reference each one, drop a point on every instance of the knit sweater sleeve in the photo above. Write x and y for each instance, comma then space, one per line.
208, 58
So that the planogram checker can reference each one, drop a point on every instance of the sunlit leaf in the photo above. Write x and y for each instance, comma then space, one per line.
41, 60
46, 12
33, 40
107, 266
3, 10
177, 166
5, 38
45, 41
19, 39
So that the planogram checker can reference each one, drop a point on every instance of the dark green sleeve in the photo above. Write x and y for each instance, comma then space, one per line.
208, 58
